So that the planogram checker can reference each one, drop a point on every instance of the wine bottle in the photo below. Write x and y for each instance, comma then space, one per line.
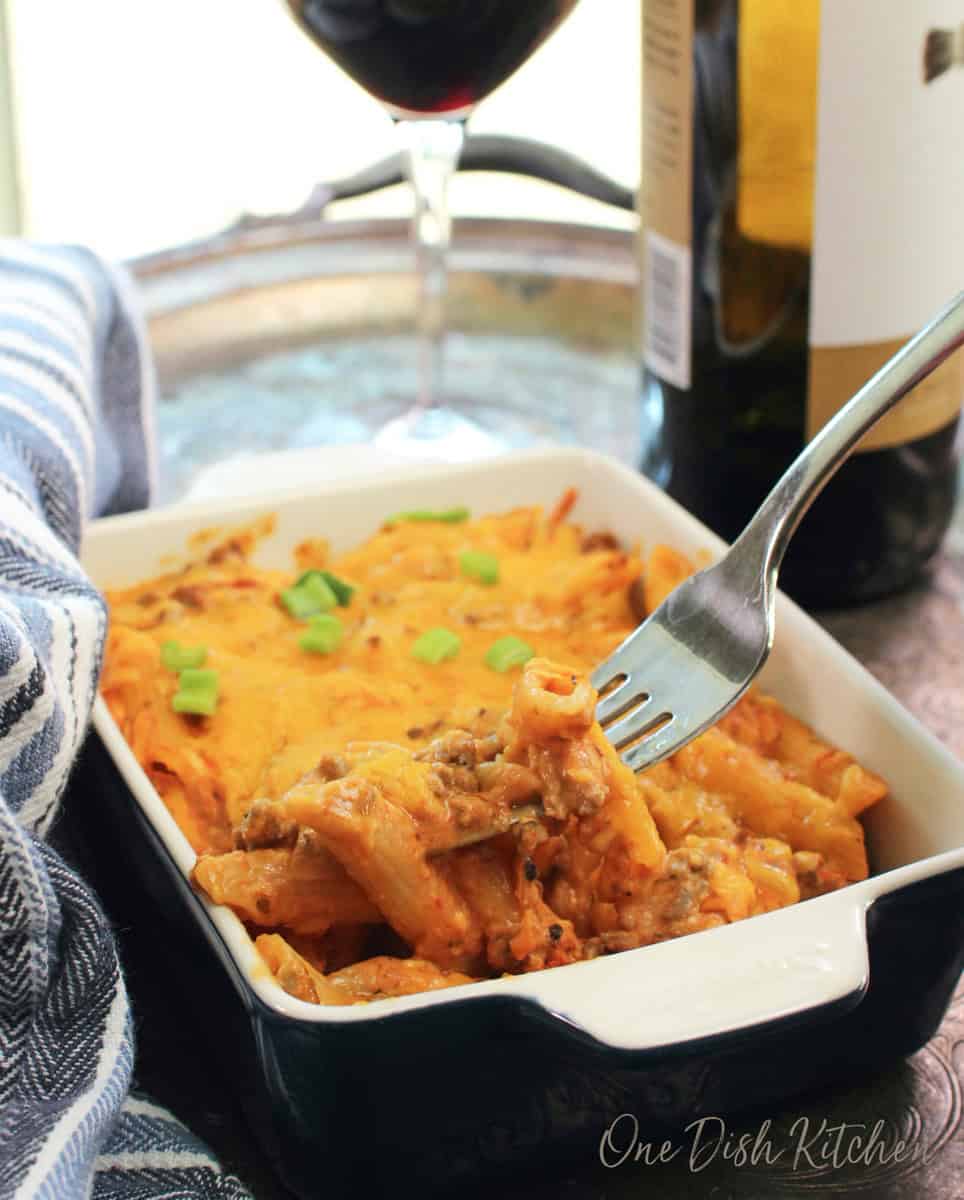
802, 213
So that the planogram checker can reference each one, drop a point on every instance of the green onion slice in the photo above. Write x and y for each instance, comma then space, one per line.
508, 653
479, 565
323, 635
436, 645
311, 594
341, 590
448, 516
197, 692
176, 657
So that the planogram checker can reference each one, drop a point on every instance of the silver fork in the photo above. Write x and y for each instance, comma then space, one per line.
690, 661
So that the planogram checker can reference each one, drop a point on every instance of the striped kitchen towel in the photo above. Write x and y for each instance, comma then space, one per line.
76, 397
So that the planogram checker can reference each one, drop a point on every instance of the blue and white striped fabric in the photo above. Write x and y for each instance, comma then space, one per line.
76, 396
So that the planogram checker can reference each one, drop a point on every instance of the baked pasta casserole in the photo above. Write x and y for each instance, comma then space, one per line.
388, 764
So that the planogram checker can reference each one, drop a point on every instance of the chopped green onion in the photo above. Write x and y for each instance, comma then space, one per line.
343, 592
176, 657
311, 594
323, 635
506, 653
436, 645
197, 692
448, 516
479, 565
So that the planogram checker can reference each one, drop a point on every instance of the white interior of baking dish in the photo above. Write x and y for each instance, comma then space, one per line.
733, 977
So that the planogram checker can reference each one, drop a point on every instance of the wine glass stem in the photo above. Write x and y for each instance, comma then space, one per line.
433, 147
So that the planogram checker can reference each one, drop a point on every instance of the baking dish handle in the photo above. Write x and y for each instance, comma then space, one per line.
800, 963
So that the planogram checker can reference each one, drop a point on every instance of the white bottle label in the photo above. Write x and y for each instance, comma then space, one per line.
666, 302
666, 187
888, 243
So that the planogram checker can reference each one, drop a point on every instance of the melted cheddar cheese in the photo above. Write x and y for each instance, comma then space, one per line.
332, 798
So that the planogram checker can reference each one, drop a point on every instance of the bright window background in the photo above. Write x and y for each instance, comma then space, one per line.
143, 125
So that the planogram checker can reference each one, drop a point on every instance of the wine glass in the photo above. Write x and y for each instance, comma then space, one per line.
429, 62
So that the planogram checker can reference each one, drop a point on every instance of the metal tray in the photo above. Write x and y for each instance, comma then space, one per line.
283, 337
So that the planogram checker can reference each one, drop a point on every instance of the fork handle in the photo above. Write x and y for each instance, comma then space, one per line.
766, 537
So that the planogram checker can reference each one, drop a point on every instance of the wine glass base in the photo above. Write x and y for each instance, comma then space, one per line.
441, 434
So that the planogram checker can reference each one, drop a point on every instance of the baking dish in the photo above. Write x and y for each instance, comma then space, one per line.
488, 1076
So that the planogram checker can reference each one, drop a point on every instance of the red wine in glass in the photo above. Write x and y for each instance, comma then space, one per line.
429, 62
431, 57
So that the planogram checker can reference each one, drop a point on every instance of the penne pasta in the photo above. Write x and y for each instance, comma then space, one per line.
382, 846
305, 892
